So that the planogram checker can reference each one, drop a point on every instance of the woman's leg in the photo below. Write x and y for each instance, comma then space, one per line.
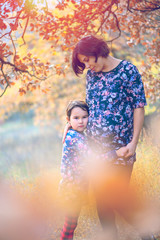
130, 207
111, 190
105, 209
107, 219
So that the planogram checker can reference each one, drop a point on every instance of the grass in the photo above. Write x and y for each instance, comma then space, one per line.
25, 149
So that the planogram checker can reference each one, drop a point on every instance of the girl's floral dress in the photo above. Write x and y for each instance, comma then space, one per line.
74, 183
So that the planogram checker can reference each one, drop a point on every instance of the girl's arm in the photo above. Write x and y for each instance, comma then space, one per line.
67, 162
67, 127
71, 156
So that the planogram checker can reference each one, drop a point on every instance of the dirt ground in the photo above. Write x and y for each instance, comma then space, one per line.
89, 228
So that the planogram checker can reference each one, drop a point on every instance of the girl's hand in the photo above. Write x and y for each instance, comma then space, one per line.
67, 127
122, 152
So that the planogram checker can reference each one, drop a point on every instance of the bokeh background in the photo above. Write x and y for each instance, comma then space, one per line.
32, 114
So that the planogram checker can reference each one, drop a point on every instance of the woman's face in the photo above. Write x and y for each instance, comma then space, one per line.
90, 62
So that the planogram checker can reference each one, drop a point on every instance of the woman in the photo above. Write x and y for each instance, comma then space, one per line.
116, 100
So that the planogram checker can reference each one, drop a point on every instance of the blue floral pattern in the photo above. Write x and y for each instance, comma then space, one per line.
112, 97
74, 184
74, 165
74, 156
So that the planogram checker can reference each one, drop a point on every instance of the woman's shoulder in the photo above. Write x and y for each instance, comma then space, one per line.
129, 66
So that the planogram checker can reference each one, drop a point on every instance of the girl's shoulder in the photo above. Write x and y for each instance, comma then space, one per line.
74, 137
72, 133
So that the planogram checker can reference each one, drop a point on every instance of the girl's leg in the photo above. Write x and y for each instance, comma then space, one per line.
70, 223
69, 227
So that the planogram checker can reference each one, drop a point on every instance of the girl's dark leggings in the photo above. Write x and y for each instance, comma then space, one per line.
70, 224
69, 227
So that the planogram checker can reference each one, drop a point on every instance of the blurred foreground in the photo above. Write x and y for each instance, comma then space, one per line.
29, 208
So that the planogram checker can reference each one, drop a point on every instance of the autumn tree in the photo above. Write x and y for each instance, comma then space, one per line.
61, 24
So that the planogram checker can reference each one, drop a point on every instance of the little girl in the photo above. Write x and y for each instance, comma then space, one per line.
74, 183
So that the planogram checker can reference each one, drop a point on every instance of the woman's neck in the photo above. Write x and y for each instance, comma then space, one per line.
110, 63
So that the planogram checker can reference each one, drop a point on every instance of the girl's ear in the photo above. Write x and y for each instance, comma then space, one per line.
67, 118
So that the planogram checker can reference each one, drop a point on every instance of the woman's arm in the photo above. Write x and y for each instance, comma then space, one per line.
137, 97
138, 119
129, 150
114, 154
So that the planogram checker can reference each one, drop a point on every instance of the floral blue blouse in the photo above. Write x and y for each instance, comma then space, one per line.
74, 184
112, 97
74, 156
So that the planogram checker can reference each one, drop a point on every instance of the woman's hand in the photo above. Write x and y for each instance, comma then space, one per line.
131, 147
122, 152
67, 127
127, 151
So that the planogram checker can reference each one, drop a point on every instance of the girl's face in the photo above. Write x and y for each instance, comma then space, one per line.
90, 62
78, 119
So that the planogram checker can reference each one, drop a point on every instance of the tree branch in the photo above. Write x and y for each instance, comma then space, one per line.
151, 2
115, 17
146, 9
18, 16
128, 7
109, 12
25, 30
5, 80
103, 22
20, 70
13, 46
4, 90
119, 30
16, 22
